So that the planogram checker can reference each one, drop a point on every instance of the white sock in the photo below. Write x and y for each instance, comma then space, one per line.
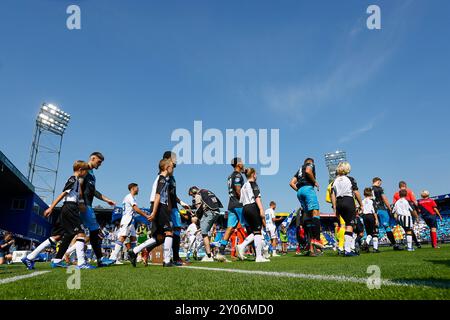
409, 241
348, 240
71, 249
141, 247
353, 241
116, 250
368, 239
375, 243
258, 245
167, 249
79, 245
248, 240
56, 260
47, 243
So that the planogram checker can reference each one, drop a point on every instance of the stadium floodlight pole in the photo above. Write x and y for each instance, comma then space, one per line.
51, 124
332, 160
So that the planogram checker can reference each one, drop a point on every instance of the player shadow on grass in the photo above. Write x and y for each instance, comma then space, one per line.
432, 282
445, 262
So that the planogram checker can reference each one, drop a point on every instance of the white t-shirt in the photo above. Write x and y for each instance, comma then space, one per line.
269, 214
128, 212
368, 206
402, 208
191, 230
249, 192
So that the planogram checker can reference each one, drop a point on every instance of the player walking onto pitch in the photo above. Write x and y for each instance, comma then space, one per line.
428, 209
303, 183
127, 230
413, 203
88, 216
235, 209
403, 212
345, 190
68, 223
254, 215
370, 218
384, 215
160, 216
175, 213
271, 228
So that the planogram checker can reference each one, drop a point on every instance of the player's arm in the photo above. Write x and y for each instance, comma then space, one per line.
437, 212
386, 201
413, 212
413, 198
139, 211
261, 210
182, 203
104, 198
333, 201
358, 198
49, 210
293, 183
156, 203
237, 189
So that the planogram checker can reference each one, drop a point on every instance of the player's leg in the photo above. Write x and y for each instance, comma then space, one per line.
118, 245
431, 221
95, 237
80, 249
51, 241
176, 220
346, 207
274, 239
384, 219
232, 223
206, 224
255, 223
312, 205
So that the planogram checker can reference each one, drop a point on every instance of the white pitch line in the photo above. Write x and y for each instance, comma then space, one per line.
404, 283
25, 276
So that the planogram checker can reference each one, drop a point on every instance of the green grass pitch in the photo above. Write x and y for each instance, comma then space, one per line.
425, 271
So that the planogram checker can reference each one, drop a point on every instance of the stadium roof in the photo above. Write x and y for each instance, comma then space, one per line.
11, 176
441, 197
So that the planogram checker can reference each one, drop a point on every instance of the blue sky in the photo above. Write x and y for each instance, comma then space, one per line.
138, 70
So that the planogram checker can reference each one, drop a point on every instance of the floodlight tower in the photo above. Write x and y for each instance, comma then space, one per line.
332, 160
51, 124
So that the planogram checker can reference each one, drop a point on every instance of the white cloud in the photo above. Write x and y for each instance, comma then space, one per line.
360, 131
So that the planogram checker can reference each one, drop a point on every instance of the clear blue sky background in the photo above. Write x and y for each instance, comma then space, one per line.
140, 69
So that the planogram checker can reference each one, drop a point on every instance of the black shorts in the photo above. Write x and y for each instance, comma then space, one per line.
69, 221
345, 207
253, 218
430, 220
163, 220
369, 224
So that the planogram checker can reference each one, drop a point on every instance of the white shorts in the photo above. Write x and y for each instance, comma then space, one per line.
127, 231
272, 231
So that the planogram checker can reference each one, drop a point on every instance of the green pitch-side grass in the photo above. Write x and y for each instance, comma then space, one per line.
424, 266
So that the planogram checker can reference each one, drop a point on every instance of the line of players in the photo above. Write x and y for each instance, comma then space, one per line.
375, 211
244, 208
